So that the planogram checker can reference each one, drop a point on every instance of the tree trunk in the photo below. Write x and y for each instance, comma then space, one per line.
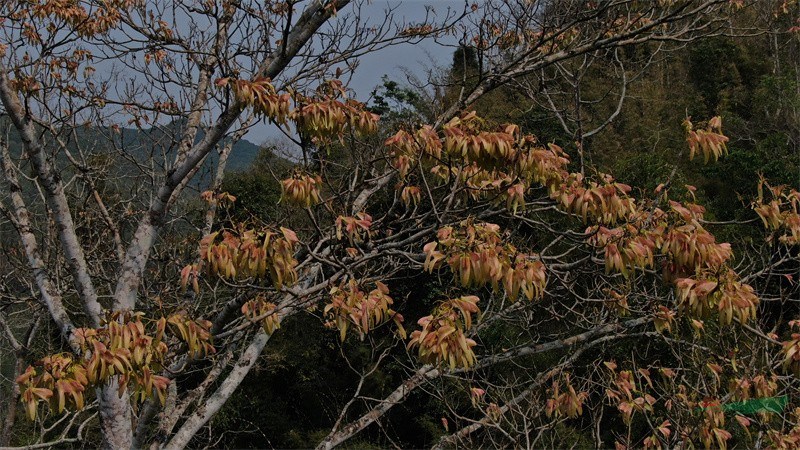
248, 357
115, 417
13, 402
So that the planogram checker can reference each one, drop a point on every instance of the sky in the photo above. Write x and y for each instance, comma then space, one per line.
391, 61
415, 58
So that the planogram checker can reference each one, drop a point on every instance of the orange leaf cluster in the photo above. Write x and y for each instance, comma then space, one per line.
505, 155
365, 311
213, 198
301, 189
695, 261
418, 30
411, 195
758, 386
791, 350
789, 440
196, 334
25, 84
424, 141
56, 375
626, 248
190, 273
260, 94
515, 197
653, 441
442, 338
101, 18
330, 115
403, 164
259, 309
356, 228
480, 183
546, 166
476, 395
406, 147
690, 246
629, 399
711, 141
781, 213
489, 149
668, 232
158, 56
617, 301
499, 164
604, 203
533, 39
568, 403
332, 118
663, 319
477, 255
244, 254
729, 297
505, 163
122, 348
712, 431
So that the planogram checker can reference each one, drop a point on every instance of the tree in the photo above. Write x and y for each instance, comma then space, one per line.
163, 312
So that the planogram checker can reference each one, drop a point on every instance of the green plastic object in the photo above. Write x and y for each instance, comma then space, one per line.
757, 405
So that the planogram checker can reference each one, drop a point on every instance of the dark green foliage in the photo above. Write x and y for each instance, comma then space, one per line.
258, 189
726, 72
395, 103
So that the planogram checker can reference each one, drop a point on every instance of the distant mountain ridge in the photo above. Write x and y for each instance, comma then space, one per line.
155, 147
141, 142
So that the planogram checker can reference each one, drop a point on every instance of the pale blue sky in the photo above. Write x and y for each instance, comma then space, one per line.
392, 60
412, 57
